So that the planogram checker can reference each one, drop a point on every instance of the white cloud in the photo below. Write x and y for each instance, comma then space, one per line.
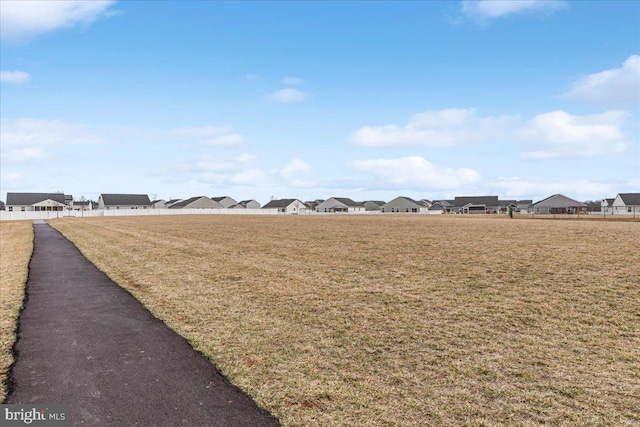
24, 20
539, 188
243, 170
294, 166
292, 81
30, 139
610, 86
432, 128
249, 178
548, 135
560, 134
415, 172
209, 135
488, 9
16, 77
288, 95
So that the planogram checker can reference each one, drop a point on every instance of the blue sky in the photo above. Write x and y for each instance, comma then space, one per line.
368, 100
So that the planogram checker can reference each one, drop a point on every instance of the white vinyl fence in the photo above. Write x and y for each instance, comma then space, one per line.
31, 215
11, 216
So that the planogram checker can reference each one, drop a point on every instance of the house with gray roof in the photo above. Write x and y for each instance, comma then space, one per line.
373, 205
626, 204
558, 204
25, 202
444, 206
198, 202
225, 201
246, 204
290, 206
340, 204
124, 201
606, 206
476, 205
523, 206
404, 204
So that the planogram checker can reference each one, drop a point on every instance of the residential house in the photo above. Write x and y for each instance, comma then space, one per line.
1, 205
445, 206
225, 201
248, 204
606, 206
312, 204
476, 205
198, 202
558, 204
404, 205
506, 205
169, 203
626, 204
124, 201
68, 201
340, 204
523, 206
290, 206
159, 204
23, 202
372, 205
82, 205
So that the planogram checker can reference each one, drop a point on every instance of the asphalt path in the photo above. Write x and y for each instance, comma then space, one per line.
86, 342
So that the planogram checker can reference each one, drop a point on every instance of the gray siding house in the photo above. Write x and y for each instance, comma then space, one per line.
373, 205
24, 202
198, 202
290, 206
476, 205
225, 201
404, 205
558, 204
247, 204
340, 204
124, 201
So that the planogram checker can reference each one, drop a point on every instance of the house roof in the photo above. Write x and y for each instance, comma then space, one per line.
25, 199
348, 202
630, 199
217, 199
559, 201
81, 203
476, 200
281, 203
125, 200
186, 202
443, 203
409, 199
377, 202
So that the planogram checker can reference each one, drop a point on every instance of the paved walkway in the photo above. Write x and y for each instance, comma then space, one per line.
85, 342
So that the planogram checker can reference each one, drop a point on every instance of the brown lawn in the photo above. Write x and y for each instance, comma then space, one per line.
16, 245
396, 320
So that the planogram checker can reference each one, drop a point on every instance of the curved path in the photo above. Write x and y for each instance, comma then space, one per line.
86, 342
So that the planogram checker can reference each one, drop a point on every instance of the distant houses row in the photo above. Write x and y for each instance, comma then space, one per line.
622, 204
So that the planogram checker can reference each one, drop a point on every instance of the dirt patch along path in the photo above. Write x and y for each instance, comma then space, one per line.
86, 342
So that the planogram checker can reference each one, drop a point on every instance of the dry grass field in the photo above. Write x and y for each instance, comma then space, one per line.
396, 320
16, 245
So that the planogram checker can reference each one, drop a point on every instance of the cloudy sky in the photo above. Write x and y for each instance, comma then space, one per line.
368, 100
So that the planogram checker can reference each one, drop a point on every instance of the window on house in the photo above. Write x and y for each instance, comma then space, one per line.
10, 208
629, 209
22, 209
